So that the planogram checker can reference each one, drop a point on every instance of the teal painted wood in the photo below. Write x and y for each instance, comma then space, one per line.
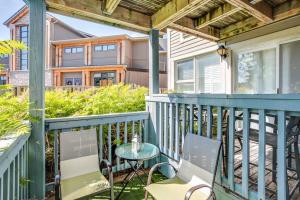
183, 112
8, 183
191, 119
154, 61
14, 180
209, 122
93, 120
166, 126
2, 188
37, 12
109, 143
118, 140
262, 155
171, 130
245, 153
199, 120
282, 192
161, 126
55, 152
219, 123
101, 141
140, 127
177, 131
231, 148
18, 176
125, 132
284, 102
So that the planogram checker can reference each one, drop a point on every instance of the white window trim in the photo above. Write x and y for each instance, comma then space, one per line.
270, 41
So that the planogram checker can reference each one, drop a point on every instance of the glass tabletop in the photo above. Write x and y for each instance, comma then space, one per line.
146, 152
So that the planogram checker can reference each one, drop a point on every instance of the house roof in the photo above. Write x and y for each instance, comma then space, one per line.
24, 10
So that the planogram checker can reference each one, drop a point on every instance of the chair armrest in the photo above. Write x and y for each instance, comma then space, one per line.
197, 187
154, 167
57, 187
109, 170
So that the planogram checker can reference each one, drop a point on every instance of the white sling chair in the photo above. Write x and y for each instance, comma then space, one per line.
80, 174
196, 173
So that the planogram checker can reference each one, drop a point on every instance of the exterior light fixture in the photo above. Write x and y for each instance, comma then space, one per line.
222, 51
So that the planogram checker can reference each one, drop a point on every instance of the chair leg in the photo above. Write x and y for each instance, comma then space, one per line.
146, 194
274, 163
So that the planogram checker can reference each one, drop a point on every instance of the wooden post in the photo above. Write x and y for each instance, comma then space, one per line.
154, 62
153, 86
36, 97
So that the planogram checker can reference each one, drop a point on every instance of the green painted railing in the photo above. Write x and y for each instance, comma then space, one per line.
112, 129
14, 170
178, 114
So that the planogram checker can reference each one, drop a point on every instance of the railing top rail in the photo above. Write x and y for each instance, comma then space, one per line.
11, 152
92, 120
285, 102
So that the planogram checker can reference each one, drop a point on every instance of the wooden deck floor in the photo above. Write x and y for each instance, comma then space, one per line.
270, 185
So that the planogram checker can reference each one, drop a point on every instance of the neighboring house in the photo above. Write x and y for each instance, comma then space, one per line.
260, 65
101, 61
55, 30
77, 58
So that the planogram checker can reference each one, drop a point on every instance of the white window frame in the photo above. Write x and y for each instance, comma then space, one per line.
263, 43
185, 81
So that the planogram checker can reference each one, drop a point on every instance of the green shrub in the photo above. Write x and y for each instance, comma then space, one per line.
62, 103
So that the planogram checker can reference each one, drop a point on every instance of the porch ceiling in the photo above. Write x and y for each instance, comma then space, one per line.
211, 19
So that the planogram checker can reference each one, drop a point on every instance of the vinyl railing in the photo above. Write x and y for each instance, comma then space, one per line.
179, 114
112, 130
14, 170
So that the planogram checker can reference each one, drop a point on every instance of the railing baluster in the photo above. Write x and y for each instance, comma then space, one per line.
171, 130
166, 128
199, 121
101, 142
2, 190
231, 148
261, 155
109, 143
118, 143
8, 183
183, 124
282, 190
55, 152
209, 122
161, 125
191, 119
125, 132
177, 125
246, 147
14, 179
140, 128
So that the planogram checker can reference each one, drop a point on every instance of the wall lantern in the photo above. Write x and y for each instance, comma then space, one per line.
222, 51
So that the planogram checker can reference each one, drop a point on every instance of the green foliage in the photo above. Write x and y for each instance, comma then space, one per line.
8, 46
61, 103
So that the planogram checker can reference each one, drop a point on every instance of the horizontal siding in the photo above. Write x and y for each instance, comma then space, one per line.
142, 79
180, 47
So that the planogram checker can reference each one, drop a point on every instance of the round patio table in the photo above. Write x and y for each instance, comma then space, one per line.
136, 160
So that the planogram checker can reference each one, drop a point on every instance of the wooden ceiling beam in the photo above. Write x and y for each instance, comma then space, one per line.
187, 25
175, 10
216, 15
261, 10
110, 6
281, 12
91, 10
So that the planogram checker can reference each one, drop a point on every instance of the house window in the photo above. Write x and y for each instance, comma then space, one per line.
185, 76
255, 72
290, 67
3, 80
104, 78
210, 74
110, 47
73, 50
73, 81
24, 53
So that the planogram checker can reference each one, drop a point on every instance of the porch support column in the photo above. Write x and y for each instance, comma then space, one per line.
152, 107
36, 96
154, 62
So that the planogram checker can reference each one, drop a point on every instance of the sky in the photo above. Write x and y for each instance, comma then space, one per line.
9, 7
